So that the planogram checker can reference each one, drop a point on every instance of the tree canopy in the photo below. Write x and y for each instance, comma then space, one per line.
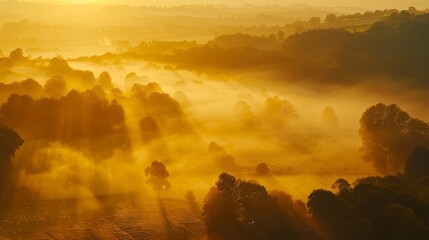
389, 135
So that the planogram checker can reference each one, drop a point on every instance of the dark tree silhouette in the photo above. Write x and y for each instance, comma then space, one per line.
403, 223
237, 210
389, 135
157, 176
417, 164
262, 169
372, 208
10, 142
340, 185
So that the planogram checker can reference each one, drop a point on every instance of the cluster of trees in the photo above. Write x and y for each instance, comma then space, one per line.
61, 76
59, 66
15, 56
331, 18
72, 119
27, 87
158, 111
270, 42
274, 113
395, 47
391, 207
236, 209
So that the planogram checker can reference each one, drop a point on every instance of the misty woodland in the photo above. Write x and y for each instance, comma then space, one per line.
212, 121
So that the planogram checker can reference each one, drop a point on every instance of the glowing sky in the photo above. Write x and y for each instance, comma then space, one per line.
380, 4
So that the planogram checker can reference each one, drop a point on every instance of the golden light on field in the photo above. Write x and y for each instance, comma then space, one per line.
214, 119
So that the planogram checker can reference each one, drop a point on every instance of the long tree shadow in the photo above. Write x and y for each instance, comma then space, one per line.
172, 232
193, 204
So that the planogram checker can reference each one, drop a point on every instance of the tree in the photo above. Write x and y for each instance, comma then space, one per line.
330, 18
329, 117
417, 164
279, 112
329, 211
389, 135
157, 176
105, 80
16, 55
10, 142
340, 185
262, 169
315, 20
236, 209
403, 223
55, 87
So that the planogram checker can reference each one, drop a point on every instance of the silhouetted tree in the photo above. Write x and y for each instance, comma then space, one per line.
330, 18
157, 176
341, 185
262, 169
239, 210
10, 142
403, 223
417, 164
55, 87
389, 135
373, 208
16, 55
331, 212
315, 20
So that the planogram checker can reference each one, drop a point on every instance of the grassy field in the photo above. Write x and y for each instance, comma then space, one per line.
119, 217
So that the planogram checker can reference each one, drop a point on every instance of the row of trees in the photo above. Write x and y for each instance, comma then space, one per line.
393, 47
